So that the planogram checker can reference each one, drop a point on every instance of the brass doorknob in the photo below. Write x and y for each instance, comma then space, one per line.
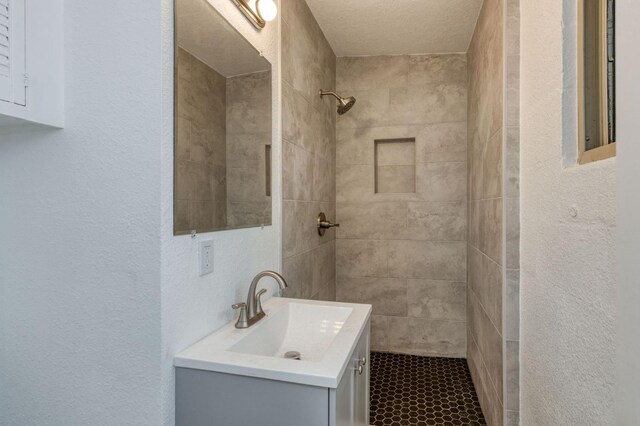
324, 224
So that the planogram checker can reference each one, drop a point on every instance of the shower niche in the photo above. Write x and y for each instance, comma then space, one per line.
395, 166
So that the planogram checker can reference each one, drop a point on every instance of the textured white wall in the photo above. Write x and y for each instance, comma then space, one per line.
79, 232
96, 294
568, 263
628, 63
194, 306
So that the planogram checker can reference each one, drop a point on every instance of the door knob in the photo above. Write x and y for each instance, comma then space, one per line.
324, 224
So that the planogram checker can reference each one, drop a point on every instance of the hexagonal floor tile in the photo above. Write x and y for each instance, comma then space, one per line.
416, 390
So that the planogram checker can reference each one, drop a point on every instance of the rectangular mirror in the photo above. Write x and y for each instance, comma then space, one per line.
222, 141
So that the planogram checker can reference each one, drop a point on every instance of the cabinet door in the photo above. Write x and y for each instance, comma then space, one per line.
12, 51
361, 385
349, 402
344, 399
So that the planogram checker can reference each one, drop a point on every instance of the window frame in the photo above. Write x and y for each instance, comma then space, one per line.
607, 150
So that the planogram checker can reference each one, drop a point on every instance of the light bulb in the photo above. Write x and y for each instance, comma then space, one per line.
267, 9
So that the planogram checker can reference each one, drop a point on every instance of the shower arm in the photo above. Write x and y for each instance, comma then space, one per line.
334, 94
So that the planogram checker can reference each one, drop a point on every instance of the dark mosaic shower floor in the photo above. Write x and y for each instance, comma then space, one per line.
417, 390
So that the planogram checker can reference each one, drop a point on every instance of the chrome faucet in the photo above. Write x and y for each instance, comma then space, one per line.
251, 312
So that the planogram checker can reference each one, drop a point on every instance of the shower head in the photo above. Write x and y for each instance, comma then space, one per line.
344, 104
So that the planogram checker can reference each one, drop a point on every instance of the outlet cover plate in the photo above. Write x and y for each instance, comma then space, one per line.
206, 257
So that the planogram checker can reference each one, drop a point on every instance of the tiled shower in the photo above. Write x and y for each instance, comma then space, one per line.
401, 199
422, 176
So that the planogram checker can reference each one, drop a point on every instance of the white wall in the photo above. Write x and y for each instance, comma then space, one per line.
79, 233
628, 63
568, 263
96, 293
194, 306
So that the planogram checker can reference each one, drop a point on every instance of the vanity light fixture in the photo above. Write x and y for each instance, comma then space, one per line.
259, 12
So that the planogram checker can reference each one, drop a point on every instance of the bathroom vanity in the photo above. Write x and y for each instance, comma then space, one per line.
239, 377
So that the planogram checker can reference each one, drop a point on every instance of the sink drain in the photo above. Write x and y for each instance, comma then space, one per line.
292, 355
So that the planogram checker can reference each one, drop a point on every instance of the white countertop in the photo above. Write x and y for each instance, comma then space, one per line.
226, 350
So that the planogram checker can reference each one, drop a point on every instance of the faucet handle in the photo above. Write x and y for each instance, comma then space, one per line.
243, 318
259, 302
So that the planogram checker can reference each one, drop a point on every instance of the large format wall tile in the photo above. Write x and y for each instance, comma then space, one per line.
437, 181
492, 407
398, 220
512, 211
355, 183
442, 142
512, 397
379, 333
297, 172
485, 280
403, 209
493, 227
438, 300
490, 232
431, 260
398, 335
442, 181
431, 69
437, 221
301, 123
362, 258
324, 269
512, 162
432, 103
419, 336
491, 166
372, 110
372, 72
309, 154
298, 271
512, 227
437, 337
384, 220
387, 295
512, 308
489, 342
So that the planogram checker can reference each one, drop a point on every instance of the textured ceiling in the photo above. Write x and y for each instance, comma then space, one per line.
205, 34
392, 27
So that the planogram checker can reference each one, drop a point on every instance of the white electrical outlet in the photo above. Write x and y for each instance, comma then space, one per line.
206, 257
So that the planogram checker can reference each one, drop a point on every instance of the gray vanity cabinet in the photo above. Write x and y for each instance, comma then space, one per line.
349, 402
218, 399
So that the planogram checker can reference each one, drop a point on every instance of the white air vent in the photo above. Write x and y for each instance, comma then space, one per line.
12, 51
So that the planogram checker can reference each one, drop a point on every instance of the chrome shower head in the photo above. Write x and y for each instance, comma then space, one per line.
344, 104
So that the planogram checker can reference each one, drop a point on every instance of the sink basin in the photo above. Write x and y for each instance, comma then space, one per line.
303, 328
323, 333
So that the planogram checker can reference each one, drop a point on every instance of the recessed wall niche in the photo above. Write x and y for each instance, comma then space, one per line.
395, 166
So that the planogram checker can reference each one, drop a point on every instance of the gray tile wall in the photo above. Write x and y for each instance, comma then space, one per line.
201, 188
485, 248
493, 240
248, 134
404, 251
511, 328
309, 143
